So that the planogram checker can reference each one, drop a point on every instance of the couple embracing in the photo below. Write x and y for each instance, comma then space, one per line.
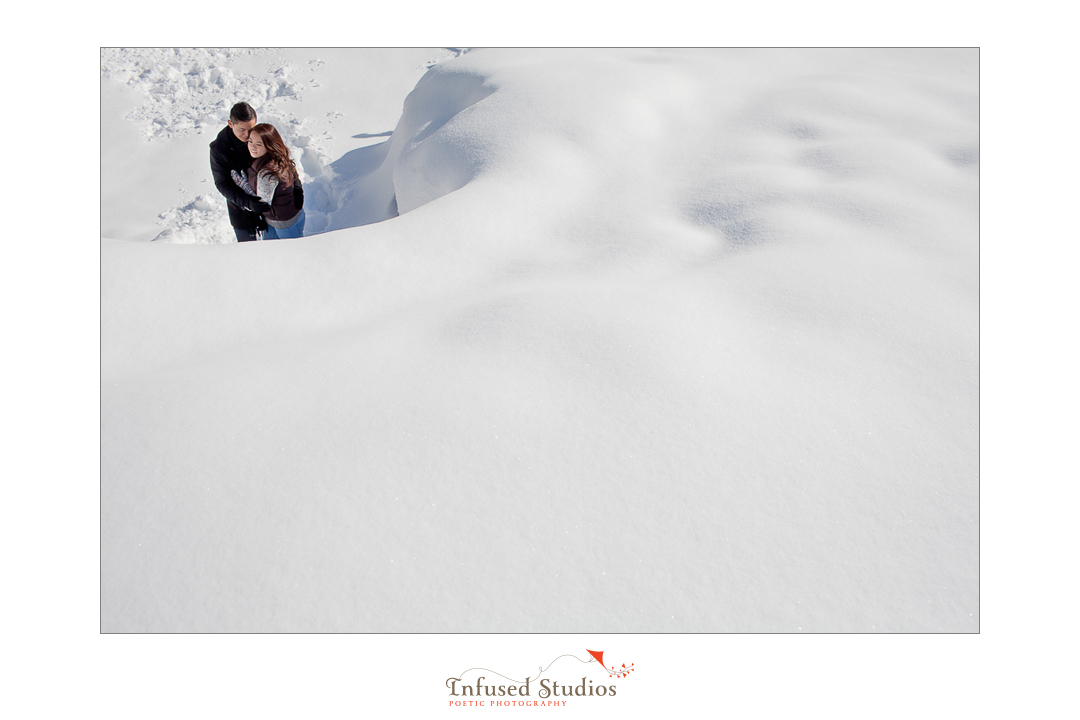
253, 170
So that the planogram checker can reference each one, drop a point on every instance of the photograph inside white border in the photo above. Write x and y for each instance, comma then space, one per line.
111, 657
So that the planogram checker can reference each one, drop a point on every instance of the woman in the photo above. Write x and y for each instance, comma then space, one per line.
273, 177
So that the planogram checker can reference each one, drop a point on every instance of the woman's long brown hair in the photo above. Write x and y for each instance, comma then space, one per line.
277, 155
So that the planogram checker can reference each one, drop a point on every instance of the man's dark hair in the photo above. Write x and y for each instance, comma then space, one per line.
242, 112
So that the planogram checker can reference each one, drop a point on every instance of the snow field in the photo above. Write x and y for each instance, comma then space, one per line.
660, 342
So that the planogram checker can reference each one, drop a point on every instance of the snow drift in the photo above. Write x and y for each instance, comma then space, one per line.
677, 341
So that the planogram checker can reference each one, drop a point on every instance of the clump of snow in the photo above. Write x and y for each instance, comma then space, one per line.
192, 89
659, 341
197, 222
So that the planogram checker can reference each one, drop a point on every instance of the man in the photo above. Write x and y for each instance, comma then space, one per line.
227, 153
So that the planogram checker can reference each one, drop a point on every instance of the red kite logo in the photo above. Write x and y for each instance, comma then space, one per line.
612, 671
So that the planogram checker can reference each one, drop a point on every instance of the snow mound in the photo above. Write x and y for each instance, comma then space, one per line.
420, 162
431, 155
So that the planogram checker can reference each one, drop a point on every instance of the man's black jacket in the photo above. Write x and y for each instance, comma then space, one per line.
228, 153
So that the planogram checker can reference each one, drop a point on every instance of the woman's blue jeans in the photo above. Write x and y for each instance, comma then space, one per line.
293, 231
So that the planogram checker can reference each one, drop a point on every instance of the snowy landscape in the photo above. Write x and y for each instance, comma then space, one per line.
605, 341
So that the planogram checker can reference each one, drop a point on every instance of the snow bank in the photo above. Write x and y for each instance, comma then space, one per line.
661, 341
